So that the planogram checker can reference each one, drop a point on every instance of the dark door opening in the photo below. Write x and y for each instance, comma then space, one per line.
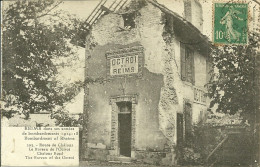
180, 137
187, 123
124, 128
179, 130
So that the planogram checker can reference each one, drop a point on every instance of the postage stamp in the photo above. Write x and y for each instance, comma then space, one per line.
230, 23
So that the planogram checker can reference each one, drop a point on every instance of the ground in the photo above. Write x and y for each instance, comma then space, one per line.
97, 164
103, 164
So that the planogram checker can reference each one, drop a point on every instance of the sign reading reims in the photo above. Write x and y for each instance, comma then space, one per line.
125, 62
124, 65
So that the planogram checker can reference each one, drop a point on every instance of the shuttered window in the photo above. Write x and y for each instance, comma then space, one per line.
187, 122
187, 64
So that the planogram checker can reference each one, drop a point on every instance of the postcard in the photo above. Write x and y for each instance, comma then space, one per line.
130, 83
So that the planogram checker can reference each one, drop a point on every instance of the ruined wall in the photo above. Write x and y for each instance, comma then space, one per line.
107, 35
147, 88
160, 89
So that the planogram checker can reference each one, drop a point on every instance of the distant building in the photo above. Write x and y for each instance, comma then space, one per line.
146, 67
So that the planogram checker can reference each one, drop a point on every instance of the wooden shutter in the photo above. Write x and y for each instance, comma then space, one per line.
192, 67
183, 62
188, 63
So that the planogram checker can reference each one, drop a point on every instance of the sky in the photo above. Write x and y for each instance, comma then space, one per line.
83, 8
80, 8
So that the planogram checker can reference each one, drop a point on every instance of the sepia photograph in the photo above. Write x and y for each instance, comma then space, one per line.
135, 83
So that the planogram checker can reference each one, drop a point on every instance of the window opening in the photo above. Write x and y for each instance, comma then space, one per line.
129, 20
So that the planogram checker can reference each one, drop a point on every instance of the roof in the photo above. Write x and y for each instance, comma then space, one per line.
194, 37
181, 28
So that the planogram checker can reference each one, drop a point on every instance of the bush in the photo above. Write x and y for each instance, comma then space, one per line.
190, 157
63, 118
203, 140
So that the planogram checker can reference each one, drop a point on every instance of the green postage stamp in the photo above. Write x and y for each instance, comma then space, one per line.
230, 23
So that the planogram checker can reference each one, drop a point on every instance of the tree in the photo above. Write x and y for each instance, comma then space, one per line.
232, 86
35, 33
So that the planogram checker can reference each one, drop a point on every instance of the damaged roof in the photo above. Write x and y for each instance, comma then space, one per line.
182, 28
186, 30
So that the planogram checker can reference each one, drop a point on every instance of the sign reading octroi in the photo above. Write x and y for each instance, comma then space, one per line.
124, 65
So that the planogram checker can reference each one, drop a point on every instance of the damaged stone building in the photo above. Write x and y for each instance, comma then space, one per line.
146, 68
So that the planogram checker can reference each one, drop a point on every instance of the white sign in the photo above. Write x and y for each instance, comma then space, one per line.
124, 65
40, 146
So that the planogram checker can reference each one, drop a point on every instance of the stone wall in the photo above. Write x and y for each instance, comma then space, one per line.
108, 37
160, 90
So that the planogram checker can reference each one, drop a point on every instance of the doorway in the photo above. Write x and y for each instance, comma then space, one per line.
187, 123
180, 137
179, 130
124, 128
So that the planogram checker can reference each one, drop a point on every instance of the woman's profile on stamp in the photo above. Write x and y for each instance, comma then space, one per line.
227, 20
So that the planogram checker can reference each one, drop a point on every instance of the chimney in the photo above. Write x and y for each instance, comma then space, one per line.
187, 10
193, 13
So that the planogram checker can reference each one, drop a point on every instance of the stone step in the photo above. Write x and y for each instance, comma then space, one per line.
124, 159
116, 162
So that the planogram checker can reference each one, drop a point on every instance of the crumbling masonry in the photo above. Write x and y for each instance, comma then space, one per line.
145, 102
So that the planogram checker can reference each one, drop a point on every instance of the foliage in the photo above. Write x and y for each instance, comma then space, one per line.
81, 30
8, 113
232, 86
64, 119
220, 119
190, 157
7, 108
35, 33
203, 140
207, 136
